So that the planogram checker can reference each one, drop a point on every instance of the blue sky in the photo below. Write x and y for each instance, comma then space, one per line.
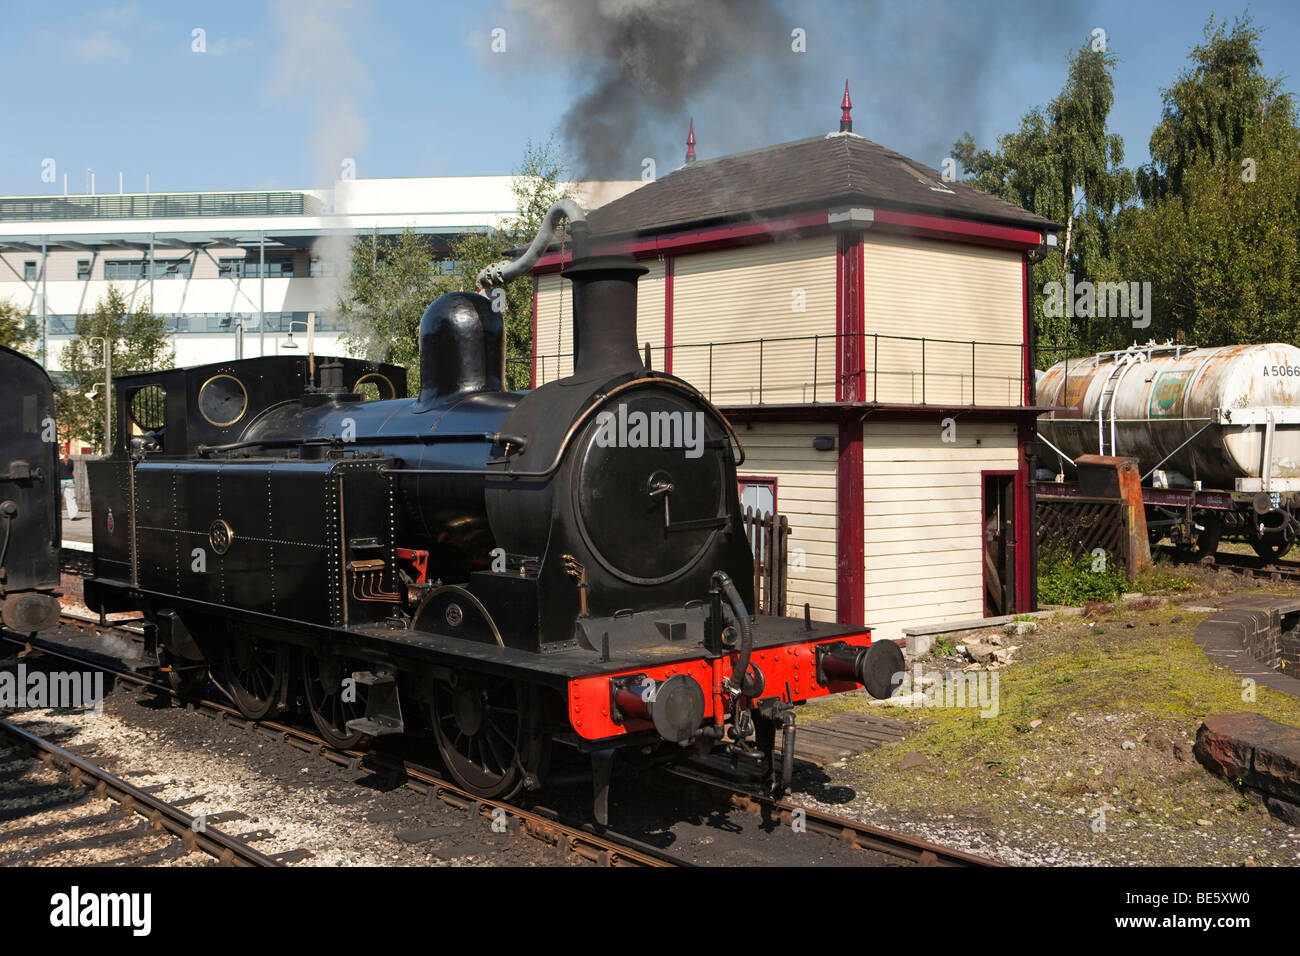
282, 91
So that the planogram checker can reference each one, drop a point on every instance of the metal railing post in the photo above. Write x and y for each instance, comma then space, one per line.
875, 369
816, 341
922, 371
972, 372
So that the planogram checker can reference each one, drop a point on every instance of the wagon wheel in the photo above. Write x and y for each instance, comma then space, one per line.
1269, 551
1206, 541
489, 734
322, 681
255, 673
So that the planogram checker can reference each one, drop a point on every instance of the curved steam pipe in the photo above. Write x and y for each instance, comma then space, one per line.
499, 273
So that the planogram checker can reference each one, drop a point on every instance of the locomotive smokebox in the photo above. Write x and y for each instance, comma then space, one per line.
460, 347
604, 314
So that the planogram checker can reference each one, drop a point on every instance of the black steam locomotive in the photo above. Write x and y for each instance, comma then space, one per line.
30, 520
518, 570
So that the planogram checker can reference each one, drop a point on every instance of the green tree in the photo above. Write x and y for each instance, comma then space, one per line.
1213, 108
1062, 164
1219, 235
16, 329
140, 343
392, 282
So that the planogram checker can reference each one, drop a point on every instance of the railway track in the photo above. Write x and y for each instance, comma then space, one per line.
571, 836
1246, 565
859, 835
162, 817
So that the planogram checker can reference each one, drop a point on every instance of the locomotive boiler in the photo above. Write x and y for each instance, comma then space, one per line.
511, 570
1216, 432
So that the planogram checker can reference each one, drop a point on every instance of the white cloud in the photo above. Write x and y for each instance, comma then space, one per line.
102, 46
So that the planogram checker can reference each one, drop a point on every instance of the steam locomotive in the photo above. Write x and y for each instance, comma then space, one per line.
30, 520
514, 571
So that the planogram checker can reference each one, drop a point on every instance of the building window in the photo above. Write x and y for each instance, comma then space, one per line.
758, 494
128, 269
171, 268
320, 268
235, 267
134, 269
83, 268
29, 270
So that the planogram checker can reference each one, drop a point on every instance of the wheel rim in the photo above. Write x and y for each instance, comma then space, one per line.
485, 734
323, 687
255, 673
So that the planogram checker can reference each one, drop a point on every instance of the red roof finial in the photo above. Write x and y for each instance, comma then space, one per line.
846, 120
690, 143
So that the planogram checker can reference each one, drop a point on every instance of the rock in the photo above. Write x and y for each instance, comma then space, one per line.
1262, 753
1128, 745
1180, 752
1035, 723
1130, 624
1020, 628
971, 667
913, 759
1202, 822
979, 652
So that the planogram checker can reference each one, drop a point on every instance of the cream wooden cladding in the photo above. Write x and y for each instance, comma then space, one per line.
923, 519
770, 291
941, 290
805, 494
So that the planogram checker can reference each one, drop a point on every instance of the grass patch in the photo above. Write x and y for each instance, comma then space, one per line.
1139, 678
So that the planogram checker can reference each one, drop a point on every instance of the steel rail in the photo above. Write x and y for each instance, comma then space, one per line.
228, 850
862, 836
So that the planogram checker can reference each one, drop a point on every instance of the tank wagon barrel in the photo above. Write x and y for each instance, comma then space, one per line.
1225, 418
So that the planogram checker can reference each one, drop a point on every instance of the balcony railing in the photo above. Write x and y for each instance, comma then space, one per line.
159, 206
803, 369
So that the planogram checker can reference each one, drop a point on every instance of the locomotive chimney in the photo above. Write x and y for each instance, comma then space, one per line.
604, 314
460, 346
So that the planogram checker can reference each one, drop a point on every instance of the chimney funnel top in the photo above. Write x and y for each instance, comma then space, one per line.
690, 142
846, 105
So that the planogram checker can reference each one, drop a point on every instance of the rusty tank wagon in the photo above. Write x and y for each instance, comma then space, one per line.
1216, 432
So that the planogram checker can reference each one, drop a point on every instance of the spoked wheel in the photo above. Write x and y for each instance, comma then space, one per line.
488, 734
255, 673
330, 703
